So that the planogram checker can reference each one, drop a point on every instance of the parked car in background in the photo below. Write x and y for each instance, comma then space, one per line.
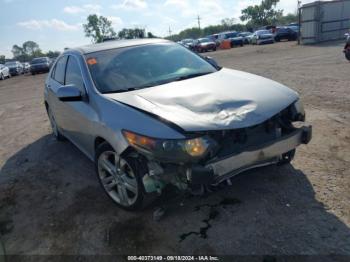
285, 33
26, 67
189, 43
295, 28
214, 38
235, 39
40, 65
4, 72
204, 45
181, 122
262, 37
246, 37
15, 67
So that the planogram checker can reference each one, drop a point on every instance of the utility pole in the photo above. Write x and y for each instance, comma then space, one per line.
169, 32
299, 20
199, 22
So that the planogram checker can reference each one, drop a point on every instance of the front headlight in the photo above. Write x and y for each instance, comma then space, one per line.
170, 149
297, 111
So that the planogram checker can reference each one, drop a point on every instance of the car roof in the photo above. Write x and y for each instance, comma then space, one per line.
116, 44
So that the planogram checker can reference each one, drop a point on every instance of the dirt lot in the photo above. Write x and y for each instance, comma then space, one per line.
51, 203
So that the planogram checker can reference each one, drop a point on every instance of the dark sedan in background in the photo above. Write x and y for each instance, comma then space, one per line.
233, 36
204, 45
285, 33
15, 67
40, 65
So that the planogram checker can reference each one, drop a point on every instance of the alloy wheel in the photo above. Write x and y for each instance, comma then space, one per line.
118, 178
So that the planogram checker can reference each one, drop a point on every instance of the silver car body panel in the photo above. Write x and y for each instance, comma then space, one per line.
264, 155
226, 99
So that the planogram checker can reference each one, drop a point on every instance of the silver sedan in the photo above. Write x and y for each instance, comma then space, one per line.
151, 113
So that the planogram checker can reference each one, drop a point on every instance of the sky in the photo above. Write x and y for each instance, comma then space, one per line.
56, 24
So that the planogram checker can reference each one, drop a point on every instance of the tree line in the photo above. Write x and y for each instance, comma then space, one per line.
254, 16
100, 29
27, 51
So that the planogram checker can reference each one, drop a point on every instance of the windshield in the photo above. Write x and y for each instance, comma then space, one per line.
10, 64
39, 60
230, 35
187, 41
126, 69
263, 32
204, 40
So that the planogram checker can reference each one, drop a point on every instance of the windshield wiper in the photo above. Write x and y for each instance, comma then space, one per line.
190, 76
120, 90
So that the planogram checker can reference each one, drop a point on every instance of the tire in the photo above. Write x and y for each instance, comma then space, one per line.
33, 73
55, 130
347, 54
2, 77
121, 178
214, 49
286, 158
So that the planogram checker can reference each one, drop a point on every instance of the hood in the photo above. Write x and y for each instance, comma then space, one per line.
207, 43
265, 35
226, 99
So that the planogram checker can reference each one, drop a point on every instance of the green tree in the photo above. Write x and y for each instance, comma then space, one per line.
263, 14
2, 59
129, 33
287, 19
27, 51
150, 35
31, 49
53, 54
17, 51
98, 28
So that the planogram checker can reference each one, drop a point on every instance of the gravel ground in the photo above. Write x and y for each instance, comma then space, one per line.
51, 202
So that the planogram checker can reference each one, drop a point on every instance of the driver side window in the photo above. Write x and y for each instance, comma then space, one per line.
73, 74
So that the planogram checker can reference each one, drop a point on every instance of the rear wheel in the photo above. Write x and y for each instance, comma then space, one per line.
120, 177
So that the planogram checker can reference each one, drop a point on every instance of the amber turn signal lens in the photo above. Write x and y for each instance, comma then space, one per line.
138, 140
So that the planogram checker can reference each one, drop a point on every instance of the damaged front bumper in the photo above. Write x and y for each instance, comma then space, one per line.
218, 170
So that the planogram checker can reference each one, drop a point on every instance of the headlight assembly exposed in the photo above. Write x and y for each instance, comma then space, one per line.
297, 111
169, 149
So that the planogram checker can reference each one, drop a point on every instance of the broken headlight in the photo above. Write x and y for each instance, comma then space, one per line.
297, 112
169, 149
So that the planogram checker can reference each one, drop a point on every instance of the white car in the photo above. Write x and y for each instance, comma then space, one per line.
4, 72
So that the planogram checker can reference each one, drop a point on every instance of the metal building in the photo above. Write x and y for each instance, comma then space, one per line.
324, 21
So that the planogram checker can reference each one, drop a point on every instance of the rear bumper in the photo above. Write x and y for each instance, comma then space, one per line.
266, 154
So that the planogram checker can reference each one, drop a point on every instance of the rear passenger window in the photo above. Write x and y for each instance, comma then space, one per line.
73, 74
60, 69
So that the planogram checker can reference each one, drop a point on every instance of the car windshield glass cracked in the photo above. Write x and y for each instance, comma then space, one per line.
126, 69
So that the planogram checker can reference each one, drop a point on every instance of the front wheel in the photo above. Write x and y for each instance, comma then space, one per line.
121, 178
57, 134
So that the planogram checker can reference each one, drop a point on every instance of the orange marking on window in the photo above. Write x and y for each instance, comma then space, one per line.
92, 61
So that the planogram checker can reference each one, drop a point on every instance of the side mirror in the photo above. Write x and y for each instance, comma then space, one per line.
69, 93
211, 61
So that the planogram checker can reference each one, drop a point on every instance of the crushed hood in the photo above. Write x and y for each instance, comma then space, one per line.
226, 99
